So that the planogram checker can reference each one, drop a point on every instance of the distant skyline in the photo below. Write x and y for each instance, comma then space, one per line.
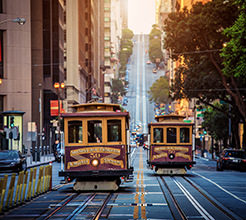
141, 15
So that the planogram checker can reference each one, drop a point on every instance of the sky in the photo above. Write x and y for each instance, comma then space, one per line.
141, 15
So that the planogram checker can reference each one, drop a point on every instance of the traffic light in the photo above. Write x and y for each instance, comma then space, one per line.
204, 132
12, 121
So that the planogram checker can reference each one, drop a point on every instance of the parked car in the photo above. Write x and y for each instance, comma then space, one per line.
231, 158
12, 160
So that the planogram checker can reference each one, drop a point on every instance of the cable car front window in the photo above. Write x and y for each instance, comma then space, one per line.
184, 135
114, 130
171, 135
94, 129
158, 135
75, 132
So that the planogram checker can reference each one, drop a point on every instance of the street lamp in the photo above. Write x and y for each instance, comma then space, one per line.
20, 21
58, 86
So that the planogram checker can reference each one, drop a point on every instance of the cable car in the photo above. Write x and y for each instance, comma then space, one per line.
97, 151
171, 145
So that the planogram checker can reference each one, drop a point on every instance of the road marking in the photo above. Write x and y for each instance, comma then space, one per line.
140, 186
136, 204
145, 127
136, 199
137, 119
143, 208
194, 202
226, 191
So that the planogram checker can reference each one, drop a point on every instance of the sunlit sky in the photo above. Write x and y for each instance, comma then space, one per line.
141, 15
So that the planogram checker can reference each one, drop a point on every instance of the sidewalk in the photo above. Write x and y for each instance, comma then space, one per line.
206, 156
45, 159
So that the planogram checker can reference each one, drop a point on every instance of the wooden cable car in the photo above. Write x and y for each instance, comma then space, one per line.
96, 146
171, 146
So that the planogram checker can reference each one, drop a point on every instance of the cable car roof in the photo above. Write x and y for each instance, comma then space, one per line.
88, 107
171, 119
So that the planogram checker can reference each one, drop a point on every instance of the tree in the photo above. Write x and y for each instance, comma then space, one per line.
117, 89
196, 39
155, 44
127, 34
218, 130
159, 91
126, 46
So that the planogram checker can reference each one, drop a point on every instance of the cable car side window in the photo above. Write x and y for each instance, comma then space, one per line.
171, 135
158, 135
184, 135
94, 130
75, 129
114, 130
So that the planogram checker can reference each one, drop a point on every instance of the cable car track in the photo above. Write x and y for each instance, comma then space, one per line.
72, 207
184, 199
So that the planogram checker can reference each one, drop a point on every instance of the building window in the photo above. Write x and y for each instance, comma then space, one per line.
1, 54
86, 16
86, 62
1, 6
86, 47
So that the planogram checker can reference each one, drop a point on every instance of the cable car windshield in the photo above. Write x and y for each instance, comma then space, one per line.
114, 130
94, 131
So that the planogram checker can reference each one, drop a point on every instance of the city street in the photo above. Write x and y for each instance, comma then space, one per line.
203, 193
123, 109
221, 195
141, 79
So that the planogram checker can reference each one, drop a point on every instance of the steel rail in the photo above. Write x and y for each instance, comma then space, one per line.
171, 201
63, 204
100, 210
81, 207
210, 200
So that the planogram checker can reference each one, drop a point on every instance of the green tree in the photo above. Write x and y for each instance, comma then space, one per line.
159, 91
127, 34
126, 46
196, 38
117, 89
234, 53
155, 44
218, 130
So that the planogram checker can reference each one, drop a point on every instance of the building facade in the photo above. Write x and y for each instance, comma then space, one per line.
62, 41
15, 63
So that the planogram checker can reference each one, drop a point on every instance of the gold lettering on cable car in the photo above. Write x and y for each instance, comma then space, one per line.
78, 163
96, 155
91, 150
171, 149
112, 161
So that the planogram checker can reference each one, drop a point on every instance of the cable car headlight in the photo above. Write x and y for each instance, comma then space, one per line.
95, 162
171, 156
